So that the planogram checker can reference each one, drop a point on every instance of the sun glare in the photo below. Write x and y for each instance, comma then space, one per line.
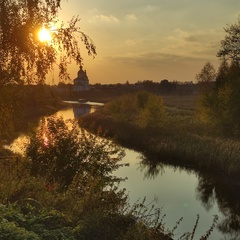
44, 35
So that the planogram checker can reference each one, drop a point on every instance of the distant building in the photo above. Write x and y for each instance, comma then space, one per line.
81, 83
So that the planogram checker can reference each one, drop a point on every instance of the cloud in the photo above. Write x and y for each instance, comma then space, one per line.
151, 8
132, 42
131, 17
105, 18
153, 59
194, 43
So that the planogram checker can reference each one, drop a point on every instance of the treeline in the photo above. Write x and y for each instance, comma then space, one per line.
163, 87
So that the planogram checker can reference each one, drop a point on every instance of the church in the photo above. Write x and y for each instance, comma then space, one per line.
81, 83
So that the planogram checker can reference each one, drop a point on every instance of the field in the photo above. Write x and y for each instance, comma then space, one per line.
187, 102
180, 139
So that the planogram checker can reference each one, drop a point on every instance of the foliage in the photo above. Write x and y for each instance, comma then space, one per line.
11, 106
60, 150
151, 112
223, 73
207, 74
230, 45
220, 106
26, 222
23, 57
142, 108
20, 104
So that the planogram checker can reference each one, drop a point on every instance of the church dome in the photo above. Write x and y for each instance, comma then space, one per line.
81, 83
81, 72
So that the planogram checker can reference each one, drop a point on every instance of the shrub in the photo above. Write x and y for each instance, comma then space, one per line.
60, 149
144, 109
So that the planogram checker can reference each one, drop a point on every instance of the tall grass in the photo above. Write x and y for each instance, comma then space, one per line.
179, 138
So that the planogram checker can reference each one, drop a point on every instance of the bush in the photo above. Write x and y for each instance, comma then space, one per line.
60, 149
220, 106
144, 109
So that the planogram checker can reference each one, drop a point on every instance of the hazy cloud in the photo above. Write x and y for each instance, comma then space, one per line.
153, 59
151, 8
105, 18
133, 42
131, 17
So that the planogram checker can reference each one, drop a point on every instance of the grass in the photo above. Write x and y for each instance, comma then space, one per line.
187, 102
179, 140
32, 208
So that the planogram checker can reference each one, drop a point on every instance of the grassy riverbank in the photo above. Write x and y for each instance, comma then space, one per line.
179, 138
64, 189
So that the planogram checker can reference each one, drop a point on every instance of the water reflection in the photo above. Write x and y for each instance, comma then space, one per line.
77, 110
226, 193
151, 169
211, 190
80, 110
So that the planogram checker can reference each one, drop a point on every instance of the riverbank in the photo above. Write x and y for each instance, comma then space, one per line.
29, 119
179, 140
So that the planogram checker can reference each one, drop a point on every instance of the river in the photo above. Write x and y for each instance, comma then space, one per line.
178, 192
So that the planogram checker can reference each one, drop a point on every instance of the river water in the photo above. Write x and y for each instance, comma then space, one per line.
178, 192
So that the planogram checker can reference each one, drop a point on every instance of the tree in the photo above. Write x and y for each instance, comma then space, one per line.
167, 87
24, 58
207, 74
142, 109
59, 150
222, 74
206, 77
230, 46
221, 105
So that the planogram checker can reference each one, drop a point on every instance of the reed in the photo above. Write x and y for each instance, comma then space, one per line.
180, 138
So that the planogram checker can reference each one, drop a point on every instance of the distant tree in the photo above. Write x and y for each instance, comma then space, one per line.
222, 74
142, 109
207, 74
24, 58
149, 85
206, 77
167, 87
230, 46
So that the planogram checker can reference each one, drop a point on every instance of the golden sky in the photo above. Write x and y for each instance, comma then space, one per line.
140, 40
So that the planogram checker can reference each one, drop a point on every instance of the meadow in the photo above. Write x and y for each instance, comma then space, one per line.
179, 138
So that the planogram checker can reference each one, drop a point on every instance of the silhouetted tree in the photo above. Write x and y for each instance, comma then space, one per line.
24, 58
207, 75
149, 85
230, 46
167, 87
221, 105
222, 74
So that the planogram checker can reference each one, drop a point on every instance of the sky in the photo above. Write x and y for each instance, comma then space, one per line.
140, 40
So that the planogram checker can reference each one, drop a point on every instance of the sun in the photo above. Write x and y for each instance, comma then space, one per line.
44, 35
